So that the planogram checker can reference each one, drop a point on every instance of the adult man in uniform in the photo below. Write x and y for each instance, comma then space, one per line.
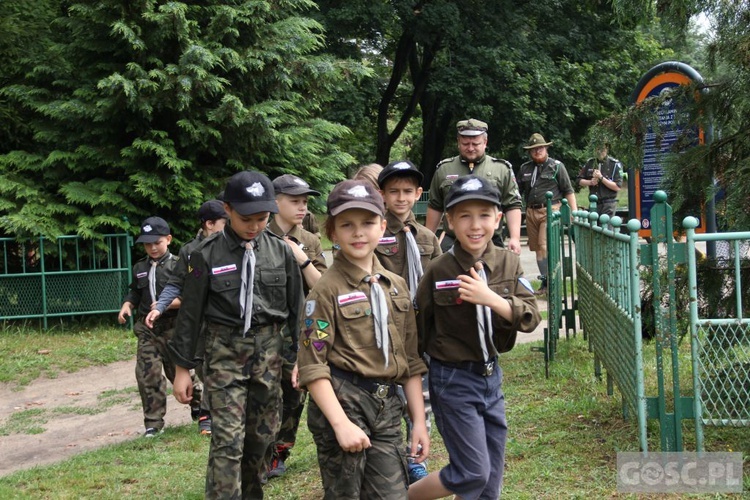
603, 176
472, 143
536, 177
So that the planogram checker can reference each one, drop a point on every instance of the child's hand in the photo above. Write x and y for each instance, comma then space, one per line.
351, 438
152, 316
125, 312
295, 377
474, 289
420, 443
183, 385
299, 254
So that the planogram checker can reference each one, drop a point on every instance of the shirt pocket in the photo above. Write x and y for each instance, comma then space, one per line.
226, 283
504, 288
446, 298
142, 283
358, 324
388, 250
273, 282
400, 312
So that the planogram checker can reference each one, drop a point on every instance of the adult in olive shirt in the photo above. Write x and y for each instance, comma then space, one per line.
472, 143
603, 176
536, 177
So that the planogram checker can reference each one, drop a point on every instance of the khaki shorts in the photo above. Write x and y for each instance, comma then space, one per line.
536, 228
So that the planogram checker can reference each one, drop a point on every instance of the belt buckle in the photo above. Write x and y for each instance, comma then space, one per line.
489, 367
382, 391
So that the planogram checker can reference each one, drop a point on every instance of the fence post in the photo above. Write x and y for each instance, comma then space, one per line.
690, 223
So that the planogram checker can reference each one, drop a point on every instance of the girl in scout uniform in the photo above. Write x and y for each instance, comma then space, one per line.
358, 341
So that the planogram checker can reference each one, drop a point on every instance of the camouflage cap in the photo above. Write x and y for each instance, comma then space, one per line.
535, 141
471, 127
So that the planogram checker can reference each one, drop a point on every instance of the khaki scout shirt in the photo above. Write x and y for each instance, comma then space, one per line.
448, 329
310, 244
338, 328
497, 171
550, 176
139, 294
391, 250
212, 290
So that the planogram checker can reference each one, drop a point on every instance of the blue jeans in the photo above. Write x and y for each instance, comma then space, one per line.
469, 412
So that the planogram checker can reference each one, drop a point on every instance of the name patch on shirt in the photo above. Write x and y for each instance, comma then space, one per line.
451, 177
351, 297
224, 269
387, 240
141, 275
448, 284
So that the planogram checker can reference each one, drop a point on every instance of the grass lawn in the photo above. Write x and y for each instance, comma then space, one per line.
564, 436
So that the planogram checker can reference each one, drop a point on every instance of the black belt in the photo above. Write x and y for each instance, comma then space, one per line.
376, 387
483, 369
542, 205
239, 330
608, 200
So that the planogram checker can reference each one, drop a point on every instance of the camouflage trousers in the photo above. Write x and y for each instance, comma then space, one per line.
377, 472
151, 359
243, 385
291, 413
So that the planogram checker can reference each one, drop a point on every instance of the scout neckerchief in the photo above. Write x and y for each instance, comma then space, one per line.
246, 292
413, 261
152, 280
484, 318
379, 314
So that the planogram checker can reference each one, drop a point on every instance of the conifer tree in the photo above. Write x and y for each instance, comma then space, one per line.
142, 107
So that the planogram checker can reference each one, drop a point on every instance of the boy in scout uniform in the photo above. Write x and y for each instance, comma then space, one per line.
536, 177
212, 217
291, 197
150, 276
246, 285
603, 176
405, 249
472, 300
359, 341
472, 143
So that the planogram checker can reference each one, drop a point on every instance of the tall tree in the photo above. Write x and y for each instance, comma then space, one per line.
551, 66
145, 107
721, 166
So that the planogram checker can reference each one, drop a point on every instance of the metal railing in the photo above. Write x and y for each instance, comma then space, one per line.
66, 277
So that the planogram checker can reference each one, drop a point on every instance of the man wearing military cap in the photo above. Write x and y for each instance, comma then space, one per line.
536, 177
472, 143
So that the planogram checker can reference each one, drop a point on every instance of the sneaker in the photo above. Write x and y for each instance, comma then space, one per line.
195, 413
152, 432
204, 425
417, 472
277, 469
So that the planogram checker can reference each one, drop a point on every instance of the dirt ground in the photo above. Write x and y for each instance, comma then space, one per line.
67, 434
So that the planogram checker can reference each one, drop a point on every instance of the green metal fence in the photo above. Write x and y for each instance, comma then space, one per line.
560, 302
609, 305
720, 344
69, 276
